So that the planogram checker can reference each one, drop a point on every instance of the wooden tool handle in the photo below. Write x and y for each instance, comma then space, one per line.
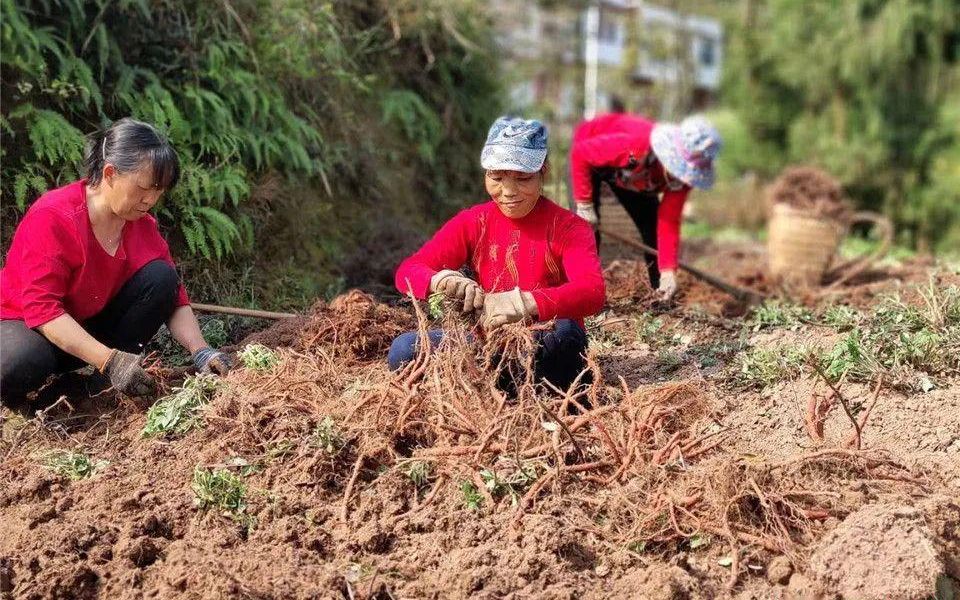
241, 312
744, 295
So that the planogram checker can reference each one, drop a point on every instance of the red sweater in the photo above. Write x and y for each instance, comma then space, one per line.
56, 265
551, 253
611, 141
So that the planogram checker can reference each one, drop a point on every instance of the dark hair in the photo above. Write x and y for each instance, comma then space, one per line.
617, 105
127, 144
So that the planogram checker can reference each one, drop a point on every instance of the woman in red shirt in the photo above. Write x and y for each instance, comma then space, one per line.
88, 278
532, 260
651, 168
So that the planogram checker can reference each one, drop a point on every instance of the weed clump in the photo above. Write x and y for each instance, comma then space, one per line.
841, 317
760, 368
179, 412
258, 357
221, 490
327, 436
435, 305
906, 343
72, 464
418, 471
779, 314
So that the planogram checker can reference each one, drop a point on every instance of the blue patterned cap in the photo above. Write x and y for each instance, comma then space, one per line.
515, 144
687, 151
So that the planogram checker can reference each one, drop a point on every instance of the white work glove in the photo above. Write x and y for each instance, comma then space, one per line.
507, 307
457, 286
586, 212
668, 285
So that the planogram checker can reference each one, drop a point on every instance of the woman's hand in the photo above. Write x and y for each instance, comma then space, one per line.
508, 307
208, 360
127, 375
457, 286
668, 285
588, 213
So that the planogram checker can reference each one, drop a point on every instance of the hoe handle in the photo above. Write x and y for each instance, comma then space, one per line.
241, 312
741, 294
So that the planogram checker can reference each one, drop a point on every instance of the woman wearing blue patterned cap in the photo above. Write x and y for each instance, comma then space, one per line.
533, 260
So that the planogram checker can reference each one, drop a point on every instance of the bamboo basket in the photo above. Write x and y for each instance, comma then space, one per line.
802, 245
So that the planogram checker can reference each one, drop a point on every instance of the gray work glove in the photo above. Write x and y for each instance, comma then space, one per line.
207, 360
126, 375
504, 307
588, 213
457, 286
668, 285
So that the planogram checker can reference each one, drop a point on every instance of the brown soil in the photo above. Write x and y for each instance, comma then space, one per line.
880, 552
659, 480
810, 189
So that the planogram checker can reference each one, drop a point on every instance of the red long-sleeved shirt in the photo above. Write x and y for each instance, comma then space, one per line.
613, 141
550, 253
56, 266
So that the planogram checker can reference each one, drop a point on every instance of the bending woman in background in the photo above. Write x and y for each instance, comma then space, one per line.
88, 278
651, 168
533, 260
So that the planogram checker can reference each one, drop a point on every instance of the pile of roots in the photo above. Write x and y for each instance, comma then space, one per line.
810, 189
468, 422
353, 324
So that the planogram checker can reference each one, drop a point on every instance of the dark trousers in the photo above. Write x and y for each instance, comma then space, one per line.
559, 358
127, 322
642, 208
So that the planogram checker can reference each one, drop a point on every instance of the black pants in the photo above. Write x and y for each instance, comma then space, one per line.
642, 208
127, 322
559, 358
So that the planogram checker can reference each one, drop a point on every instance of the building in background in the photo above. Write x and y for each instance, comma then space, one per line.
651, 59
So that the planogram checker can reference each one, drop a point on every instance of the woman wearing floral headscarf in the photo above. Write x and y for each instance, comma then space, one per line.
651, 168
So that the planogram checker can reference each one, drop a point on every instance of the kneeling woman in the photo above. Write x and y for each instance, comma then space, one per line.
533, 260
88, 278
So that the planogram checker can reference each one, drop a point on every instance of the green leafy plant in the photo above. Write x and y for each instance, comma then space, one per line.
841, 317
72, 464
258, 357
759, 367
220, 490
327, 435
652, 330
512, 481
418, 471
181, 411
471, 495
776, 313
435, 305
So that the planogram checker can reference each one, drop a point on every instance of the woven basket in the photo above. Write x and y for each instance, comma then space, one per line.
801, 245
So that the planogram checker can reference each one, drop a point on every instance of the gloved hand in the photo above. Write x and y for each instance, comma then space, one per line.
668, 285
126, 375
586, 212
506, 307
207, 360
454, 284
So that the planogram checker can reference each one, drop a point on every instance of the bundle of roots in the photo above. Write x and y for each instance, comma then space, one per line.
810, 189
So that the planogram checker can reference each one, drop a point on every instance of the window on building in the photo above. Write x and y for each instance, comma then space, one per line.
708, 52
609, 28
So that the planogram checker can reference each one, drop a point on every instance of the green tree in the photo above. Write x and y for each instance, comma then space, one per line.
855, 86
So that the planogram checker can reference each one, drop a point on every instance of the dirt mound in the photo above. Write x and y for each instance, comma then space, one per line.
810, 189
881, 552
353, 324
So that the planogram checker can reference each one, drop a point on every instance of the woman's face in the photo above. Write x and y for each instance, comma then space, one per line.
130, 195
516, 193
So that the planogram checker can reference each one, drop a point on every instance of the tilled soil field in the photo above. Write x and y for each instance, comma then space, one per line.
802, 449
